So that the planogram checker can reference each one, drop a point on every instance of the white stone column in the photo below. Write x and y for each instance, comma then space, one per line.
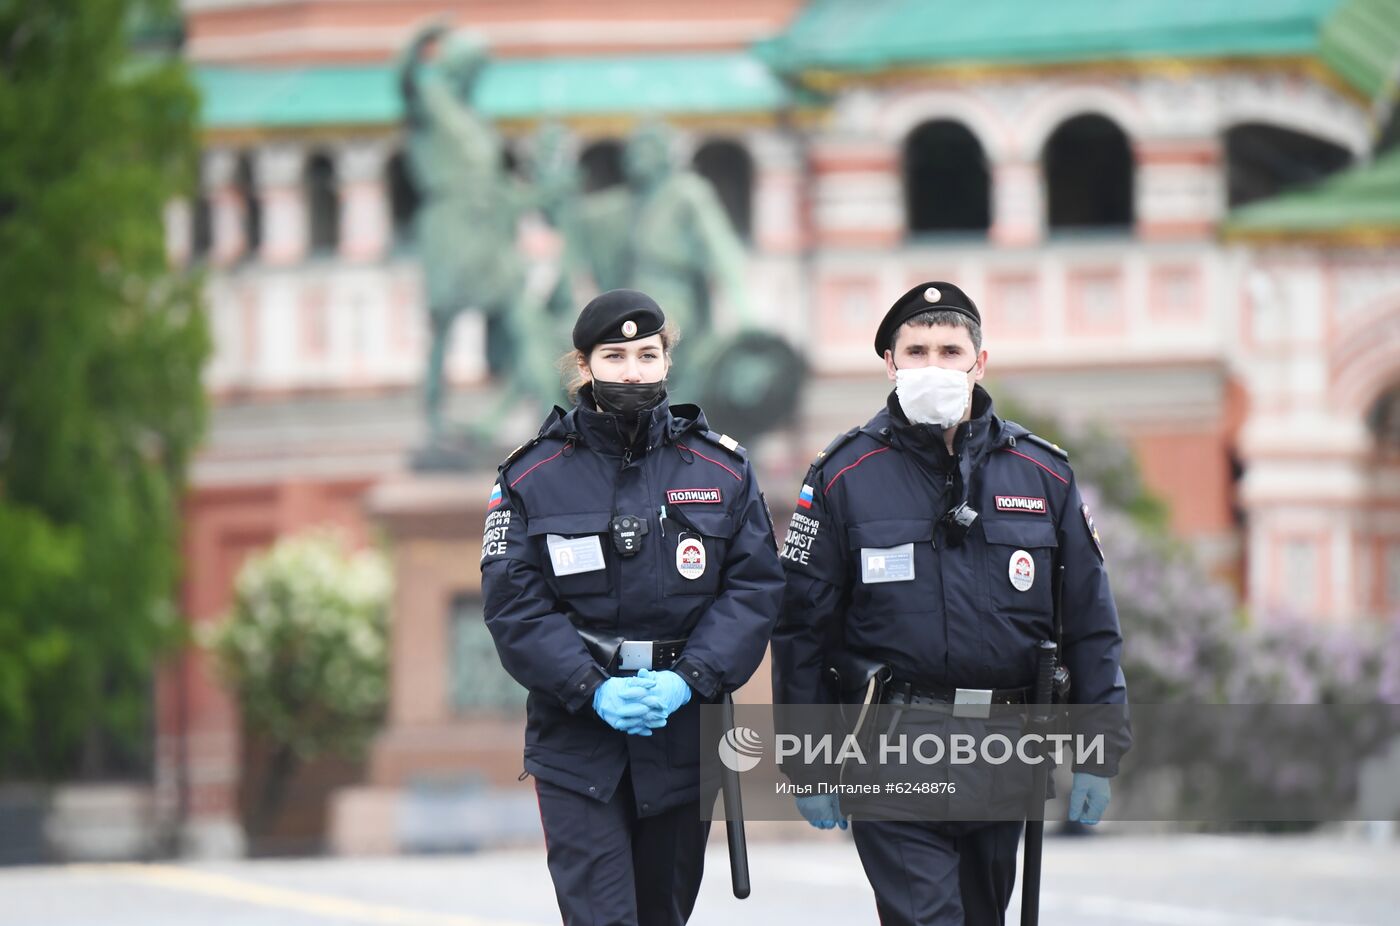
777, 194
1018, 203
1177, 190
856, 194
217, 177
366, 226
179, 231
278, 171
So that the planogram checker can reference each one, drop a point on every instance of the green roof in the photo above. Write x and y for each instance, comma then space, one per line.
1359, 39
674, 85
1361, 42
1358, 205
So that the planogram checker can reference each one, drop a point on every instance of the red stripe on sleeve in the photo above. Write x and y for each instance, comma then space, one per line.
533, 468
852, 466
1037, 463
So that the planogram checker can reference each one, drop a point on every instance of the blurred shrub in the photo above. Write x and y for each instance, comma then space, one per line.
305, 651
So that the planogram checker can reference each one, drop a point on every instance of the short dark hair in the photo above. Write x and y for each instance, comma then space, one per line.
942, 317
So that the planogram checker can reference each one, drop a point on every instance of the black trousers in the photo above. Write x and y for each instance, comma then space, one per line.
613, 868
924, 874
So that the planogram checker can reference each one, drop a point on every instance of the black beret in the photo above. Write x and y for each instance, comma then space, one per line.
934, 296
617, 316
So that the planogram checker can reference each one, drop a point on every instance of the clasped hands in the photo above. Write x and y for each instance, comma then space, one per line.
639, 704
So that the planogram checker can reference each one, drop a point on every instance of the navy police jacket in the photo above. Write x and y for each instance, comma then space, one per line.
549, 569
871, 571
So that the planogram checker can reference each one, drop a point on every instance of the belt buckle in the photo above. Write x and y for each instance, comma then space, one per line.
974, 703
634, 654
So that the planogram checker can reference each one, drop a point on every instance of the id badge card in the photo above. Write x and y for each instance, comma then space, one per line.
572, 555
887, 564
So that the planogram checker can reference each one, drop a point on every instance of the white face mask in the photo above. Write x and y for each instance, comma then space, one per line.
933, 395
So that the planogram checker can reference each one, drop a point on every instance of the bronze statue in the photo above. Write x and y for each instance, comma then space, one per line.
466, 223
665, 232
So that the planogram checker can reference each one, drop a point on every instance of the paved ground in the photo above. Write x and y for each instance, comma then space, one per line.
1108, 879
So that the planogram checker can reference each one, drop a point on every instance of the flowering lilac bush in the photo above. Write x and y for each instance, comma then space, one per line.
1186, 641
1185, 638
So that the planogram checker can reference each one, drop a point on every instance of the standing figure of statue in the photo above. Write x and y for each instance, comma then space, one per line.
551, 163
666, 233
466, 223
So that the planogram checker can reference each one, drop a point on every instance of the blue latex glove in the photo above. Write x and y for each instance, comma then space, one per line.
821, 810
668, 688
625, 704
1088, 798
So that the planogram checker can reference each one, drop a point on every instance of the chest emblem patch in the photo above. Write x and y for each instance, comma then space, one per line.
1025, 504
690, 557
693, 497
1021, 570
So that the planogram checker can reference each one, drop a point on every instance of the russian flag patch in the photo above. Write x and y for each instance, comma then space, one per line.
495, 497
804, 498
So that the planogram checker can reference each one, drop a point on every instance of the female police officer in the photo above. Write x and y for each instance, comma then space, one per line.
630, 574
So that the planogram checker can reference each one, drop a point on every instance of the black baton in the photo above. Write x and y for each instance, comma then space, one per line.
734, 815
1045, 654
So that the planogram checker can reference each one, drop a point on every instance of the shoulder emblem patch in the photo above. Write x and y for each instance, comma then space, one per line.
1093, 531
804, 497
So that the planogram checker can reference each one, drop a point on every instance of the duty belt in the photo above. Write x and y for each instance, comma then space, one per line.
967, 702
618, 656
647, 654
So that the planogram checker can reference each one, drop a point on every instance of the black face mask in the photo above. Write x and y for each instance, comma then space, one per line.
627, 399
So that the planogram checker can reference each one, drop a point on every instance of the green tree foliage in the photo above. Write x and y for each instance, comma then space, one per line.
306, 652
101, 346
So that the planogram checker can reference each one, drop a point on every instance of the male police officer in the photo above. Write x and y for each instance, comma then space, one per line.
925, 541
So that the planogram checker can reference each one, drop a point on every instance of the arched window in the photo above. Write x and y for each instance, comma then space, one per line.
1089, 175
1384, 420
1389, 135
945, 180
601, 165
1264, 160
322, 204
510, 160
247, 187
728, 167
403, 198
201, 227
